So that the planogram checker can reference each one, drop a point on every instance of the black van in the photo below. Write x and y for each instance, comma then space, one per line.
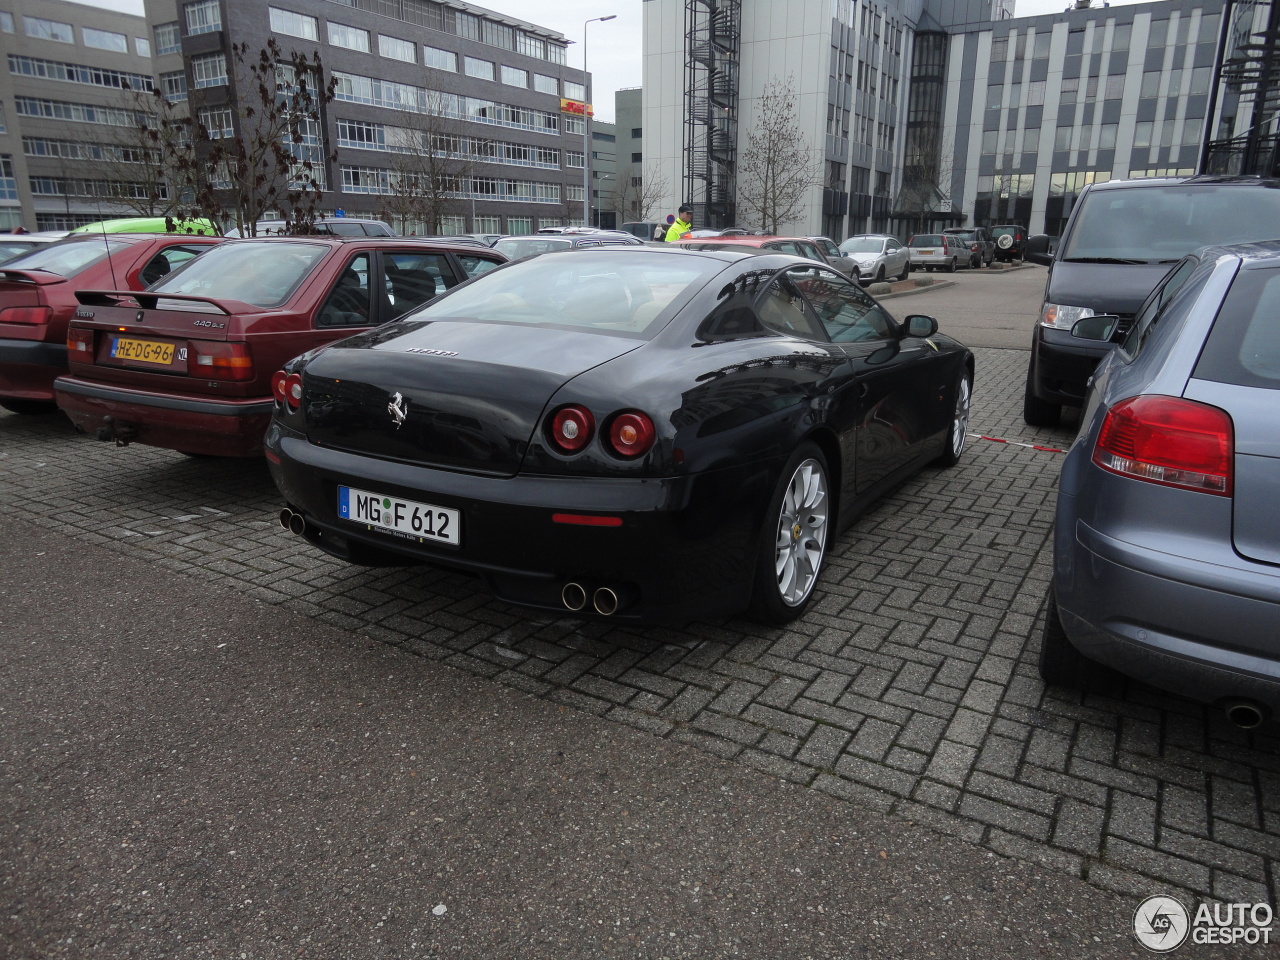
1122, 238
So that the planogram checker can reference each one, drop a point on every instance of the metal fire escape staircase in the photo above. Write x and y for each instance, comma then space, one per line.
712, 35
1252, 71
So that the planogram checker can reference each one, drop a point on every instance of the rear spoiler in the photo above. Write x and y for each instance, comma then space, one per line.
42, 277
149, 301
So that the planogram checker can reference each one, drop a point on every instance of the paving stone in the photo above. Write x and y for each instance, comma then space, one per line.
1079, 827
1133, 818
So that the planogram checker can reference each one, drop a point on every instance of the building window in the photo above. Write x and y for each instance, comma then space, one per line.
636, 133
105, 40
497, 35
573, 158
203, 17
174, 86
467, 25
294, 24
544, 84
209, 70
575, 191
637, 157
519, 226
6, 22
531, 46
555, 52
8, 182
574, 126
515, 78
4, 126
168, 38
1115, 87
48, 30
353, 38
73, 73
452, 225
142, 46
218, 122
488, 224
396, 49
440, 59
575, 91
361, 134
481, 69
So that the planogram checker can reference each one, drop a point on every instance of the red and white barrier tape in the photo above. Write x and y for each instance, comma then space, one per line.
1015, 443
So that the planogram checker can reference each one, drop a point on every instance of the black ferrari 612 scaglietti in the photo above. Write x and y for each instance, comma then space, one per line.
651, 434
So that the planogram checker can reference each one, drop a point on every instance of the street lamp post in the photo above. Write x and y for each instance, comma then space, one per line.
586, 123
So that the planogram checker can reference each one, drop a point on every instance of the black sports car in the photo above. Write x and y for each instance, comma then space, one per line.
655, 434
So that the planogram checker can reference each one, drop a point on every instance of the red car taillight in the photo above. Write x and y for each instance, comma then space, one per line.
293, 390
25, 315
220, 361
277, 385
79, 344
1170, 441
631, 434
571, 428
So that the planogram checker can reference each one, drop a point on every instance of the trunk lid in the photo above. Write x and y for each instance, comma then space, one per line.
455, 395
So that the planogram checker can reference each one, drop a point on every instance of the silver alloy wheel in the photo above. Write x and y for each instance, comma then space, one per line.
960, 424
802, 533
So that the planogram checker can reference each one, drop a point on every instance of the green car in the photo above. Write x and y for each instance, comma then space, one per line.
151, 225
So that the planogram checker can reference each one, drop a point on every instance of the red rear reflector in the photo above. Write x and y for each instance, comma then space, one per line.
220, 361
585, 520
1170, 441
25, 315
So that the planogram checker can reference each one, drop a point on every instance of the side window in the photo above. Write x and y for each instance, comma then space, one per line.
166, 261
1150, 313
345, 229
782, 308
414, 278
474, 266
348, 303
846, 313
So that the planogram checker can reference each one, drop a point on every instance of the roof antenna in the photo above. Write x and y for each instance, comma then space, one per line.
106, 244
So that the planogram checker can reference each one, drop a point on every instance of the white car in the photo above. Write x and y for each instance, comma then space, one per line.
878, 257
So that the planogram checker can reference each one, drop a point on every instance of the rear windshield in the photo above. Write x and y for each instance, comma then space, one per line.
624, 294
264, 274
926, 240
515, 249
1165, 223
68, 257
962, 234
1002, 231
862, 245
1244, 345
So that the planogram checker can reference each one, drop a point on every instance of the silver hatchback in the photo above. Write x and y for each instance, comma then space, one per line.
1166, 561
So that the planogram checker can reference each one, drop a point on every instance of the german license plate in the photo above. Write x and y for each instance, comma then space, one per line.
144, 351
424, 522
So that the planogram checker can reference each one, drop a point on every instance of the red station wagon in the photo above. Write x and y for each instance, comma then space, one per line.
37, 299
188, 364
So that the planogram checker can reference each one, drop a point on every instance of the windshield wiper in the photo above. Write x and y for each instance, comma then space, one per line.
1102, 260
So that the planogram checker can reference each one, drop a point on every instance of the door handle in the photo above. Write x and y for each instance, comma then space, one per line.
863, 389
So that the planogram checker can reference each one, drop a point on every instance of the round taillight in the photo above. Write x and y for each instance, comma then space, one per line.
277, 385
293, 390
571, 428
631, 434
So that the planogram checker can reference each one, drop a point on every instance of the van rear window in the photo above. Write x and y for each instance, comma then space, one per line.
1244, 345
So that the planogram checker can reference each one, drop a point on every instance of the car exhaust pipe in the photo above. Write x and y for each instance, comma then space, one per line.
297, 524
573, 596
609, 600
1245, 714
286, 515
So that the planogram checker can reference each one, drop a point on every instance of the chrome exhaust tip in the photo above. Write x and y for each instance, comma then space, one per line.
1245, 714
573, 596
297, 524
285, 516
606, 602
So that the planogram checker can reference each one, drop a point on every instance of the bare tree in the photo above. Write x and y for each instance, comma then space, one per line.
432, 164
149, 162
926, 175
638, 191
274, 156
777, 168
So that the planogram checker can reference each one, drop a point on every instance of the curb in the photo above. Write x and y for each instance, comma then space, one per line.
941, 285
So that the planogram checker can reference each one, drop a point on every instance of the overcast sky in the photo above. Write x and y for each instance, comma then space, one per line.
613, 47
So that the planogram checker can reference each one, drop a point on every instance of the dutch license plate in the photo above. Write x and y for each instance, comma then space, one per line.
144, 351
925, 253
406, 518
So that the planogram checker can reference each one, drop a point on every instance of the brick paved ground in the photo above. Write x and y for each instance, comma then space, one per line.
909, 688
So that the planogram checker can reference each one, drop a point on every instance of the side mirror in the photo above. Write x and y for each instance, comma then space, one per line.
918, 325
1037, 250
1100, 329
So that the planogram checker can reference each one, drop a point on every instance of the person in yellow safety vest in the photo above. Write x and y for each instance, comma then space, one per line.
684, 223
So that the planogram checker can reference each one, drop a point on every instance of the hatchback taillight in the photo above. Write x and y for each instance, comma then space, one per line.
80, 344
1170, 441
25, 315
220, 361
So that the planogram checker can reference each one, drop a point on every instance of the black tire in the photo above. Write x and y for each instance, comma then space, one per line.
1061, 664
29, 408
768, 603
1037, 412
959, 435
879, 275
951, 267
906, 270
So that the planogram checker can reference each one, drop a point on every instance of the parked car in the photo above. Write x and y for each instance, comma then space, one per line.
488, 239
17, 245
1011, 241
513, 248
1119, 242
877, 257
643, 229
188, 364
197, 225
331, 226
1167, 538
37, 300
629, 433
936, 251
982, 247
746, 243
835, 257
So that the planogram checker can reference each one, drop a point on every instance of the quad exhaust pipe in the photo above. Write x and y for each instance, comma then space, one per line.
1245, 714
573, 596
